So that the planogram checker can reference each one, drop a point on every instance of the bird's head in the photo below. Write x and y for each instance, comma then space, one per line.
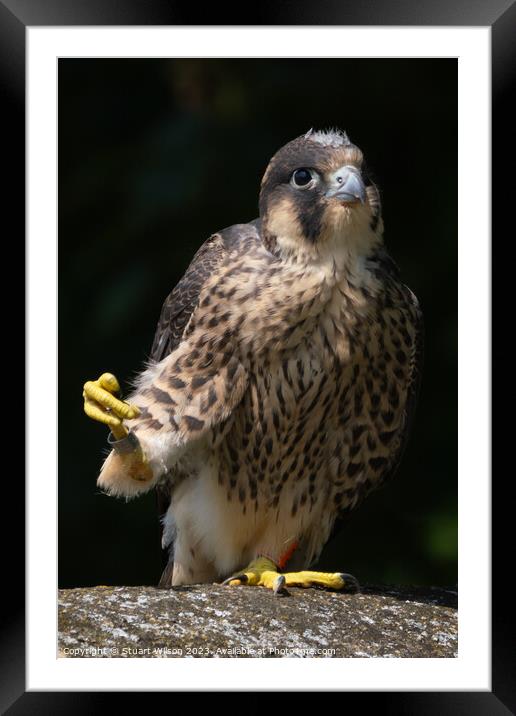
317, 200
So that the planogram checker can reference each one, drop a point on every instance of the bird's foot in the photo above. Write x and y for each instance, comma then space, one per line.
100, 404
127, 456
263, 572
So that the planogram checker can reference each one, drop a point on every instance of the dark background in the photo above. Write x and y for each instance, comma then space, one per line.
154, 156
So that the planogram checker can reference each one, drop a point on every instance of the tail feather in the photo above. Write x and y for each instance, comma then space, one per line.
165, 581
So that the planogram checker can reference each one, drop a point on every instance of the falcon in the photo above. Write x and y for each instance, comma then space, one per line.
281, 384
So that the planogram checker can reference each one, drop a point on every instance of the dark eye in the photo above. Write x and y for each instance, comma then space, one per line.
302, 177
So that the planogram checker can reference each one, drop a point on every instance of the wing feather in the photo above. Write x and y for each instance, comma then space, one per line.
175, 315
412, 389
389, 271
182, 301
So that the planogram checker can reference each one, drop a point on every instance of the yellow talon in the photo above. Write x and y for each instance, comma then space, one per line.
263, 572
100, 404
109, 382
328, 580
93, 411
95, 392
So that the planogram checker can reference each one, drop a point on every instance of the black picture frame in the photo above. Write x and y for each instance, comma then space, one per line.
500, 15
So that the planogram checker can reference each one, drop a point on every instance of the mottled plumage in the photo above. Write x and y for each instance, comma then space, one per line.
283, 374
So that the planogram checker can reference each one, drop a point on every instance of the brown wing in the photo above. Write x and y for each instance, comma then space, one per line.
181, 302
179, 306
413, 388
390, 270
387, 269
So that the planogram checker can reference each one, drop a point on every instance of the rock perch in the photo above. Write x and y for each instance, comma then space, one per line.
216, 621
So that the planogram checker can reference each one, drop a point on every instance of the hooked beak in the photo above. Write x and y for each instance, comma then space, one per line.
348, 186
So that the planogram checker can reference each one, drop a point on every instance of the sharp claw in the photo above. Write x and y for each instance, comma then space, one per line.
350, 583
236, 579
279, 588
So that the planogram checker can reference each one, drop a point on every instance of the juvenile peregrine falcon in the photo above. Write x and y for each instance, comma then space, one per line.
282, 382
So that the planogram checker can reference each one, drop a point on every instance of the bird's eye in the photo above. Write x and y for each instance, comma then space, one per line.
301, 178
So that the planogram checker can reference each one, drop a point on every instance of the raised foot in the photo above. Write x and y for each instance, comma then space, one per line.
262, 572
127, 456
100, 404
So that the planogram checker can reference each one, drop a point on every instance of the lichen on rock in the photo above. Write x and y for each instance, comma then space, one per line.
210, 620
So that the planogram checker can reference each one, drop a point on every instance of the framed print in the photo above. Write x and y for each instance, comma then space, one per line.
133, 123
